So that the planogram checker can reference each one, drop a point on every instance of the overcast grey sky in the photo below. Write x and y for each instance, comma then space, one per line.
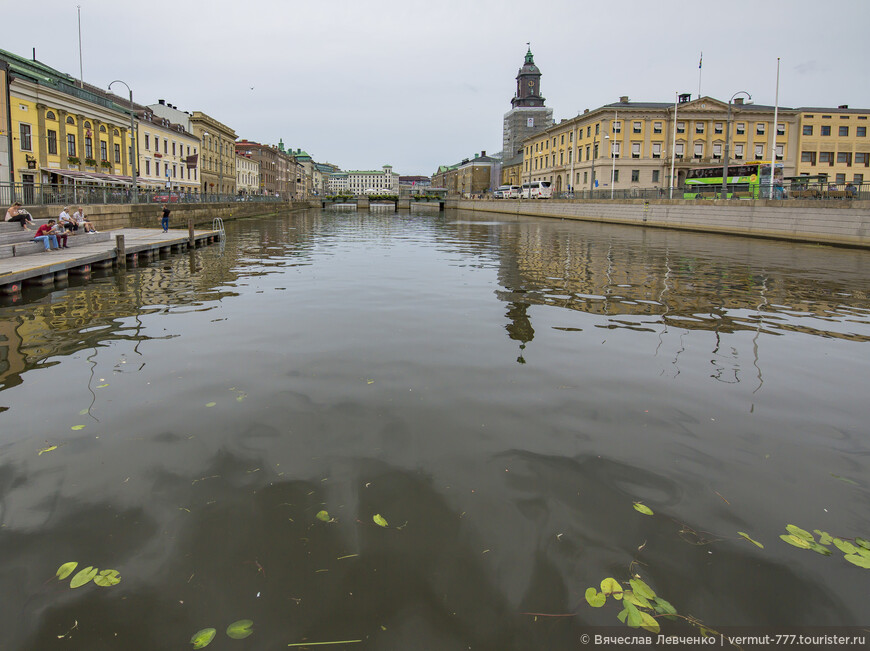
363, 83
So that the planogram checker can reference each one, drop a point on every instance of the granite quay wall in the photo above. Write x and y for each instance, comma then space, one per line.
845, 223
141, 215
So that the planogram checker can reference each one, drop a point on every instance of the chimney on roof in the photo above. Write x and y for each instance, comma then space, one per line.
483, 152
623, 99
34, 58
738, 100
585, 110
843, 106
686, 97
162, 102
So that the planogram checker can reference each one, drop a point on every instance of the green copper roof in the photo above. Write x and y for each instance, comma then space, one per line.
530, 57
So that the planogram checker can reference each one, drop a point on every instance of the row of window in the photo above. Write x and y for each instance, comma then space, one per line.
543, 162
842, 158
843, 132
26, 144
173, 171
147, 139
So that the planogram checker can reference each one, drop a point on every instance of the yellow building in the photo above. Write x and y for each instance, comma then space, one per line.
218, 160
4, 125
512, 171
834, 141
575, 154
63, 130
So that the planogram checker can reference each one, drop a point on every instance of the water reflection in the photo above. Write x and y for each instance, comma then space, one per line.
500, 391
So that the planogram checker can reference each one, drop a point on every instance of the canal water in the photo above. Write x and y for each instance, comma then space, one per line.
231, 428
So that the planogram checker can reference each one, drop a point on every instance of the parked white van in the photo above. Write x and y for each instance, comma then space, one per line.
537, 190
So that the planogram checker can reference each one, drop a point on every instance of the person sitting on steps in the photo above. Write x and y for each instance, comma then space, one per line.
18, 214
79, 217
66, 221
62, 235
44, 235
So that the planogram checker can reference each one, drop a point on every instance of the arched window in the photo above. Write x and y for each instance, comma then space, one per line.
115, 133
50, 116
102, 128
87, 125
69, 120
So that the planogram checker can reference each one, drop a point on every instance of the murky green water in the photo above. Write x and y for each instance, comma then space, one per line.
500, 392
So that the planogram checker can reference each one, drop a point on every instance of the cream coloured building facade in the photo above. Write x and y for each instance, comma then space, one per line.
834, 141
247, 175
632, 142
168, 154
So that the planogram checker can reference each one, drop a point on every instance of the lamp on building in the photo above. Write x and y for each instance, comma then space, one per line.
594, 154
135, 162
727, 142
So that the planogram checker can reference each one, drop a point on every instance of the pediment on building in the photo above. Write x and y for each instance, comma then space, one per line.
704, 104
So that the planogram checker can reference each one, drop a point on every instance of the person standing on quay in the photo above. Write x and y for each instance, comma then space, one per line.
165, 221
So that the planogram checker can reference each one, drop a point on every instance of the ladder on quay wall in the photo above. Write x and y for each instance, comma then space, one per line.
217, 224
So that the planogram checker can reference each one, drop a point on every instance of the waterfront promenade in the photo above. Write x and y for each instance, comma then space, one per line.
838, 223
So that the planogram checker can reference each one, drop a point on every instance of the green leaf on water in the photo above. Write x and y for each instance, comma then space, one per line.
622, 614
324, 516
241, 629
642, 508
863, 543
634, 619
636, 599
50, 448
379, 520
845, 479
642, 589
824, 537
83, 577
800, 533
754, 542
107, 578
663, 607
241, 397
845, 546
77, 427
649, 622
595, 598
102, 386
610, 586
203, 638
820, 549
859, 560
796, 541
210, 404
84, 412
66, 569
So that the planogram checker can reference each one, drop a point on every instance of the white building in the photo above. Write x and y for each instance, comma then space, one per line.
369, 181
247, 175
168, 154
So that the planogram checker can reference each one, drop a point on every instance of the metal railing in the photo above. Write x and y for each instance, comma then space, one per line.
39, 194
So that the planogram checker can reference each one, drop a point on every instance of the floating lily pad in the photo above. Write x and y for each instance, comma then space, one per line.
859, 560
241, 629
66, 569
863, 543
642, 508
203, 638
754, 542
379, 520
845, 546
610, 586
796, 541
50, 448
595, 598
824, 537
77, 427
820, 549
210, 404
323, 515
107, 578
83, 577
800, 533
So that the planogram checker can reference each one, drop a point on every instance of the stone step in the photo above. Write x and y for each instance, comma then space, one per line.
10, 227
28, 246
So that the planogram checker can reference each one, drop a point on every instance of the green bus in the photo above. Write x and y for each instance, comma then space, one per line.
750, 180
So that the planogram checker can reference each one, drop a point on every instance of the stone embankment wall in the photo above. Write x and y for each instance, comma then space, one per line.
147, 215
830, 222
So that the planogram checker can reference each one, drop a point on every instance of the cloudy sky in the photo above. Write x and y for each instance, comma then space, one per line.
363, 83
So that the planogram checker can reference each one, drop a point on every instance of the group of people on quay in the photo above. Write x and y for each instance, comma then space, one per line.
54, 234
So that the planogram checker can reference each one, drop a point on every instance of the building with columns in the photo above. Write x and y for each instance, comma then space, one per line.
218, 154
528, 115
63, 130
168, 154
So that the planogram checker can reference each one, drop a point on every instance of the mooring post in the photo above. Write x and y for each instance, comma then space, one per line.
191, 238
121, 249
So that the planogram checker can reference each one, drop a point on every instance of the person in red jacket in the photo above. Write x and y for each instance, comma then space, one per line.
44, 235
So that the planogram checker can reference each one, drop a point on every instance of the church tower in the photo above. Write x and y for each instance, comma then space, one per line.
528, 114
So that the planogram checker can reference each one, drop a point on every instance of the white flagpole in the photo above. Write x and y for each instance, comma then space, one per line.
81, 69
700, 64
773, 133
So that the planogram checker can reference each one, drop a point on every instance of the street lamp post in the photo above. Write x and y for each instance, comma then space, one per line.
592, 180
135, 156
727, 142
613, 154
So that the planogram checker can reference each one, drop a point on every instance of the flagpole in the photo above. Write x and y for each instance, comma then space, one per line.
773, 133
673, 145
700, 63
81, 69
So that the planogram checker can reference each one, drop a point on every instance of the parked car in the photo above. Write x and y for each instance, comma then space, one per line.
165, 198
